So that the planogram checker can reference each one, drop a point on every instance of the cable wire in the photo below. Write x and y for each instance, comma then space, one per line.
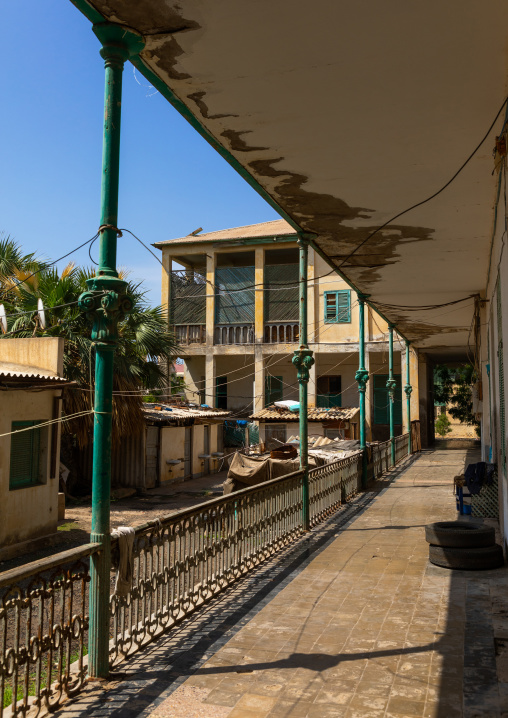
435, 194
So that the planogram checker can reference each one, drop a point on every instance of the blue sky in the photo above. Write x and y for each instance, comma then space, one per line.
171, 180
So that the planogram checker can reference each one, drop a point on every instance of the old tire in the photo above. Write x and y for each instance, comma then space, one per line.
460, 534
469, 559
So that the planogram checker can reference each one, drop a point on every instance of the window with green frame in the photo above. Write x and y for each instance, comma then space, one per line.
273, 389
25, 455
338, 307
328, 392
382, 399
221, 393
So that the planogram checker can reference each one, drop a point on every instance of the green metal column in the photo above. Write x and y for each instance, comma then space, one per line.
106, 303
362, 377
390, 385
408, 389
303, 360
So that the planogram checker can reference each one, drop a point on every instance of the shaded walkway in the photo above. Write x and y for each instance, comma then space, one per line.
349, 623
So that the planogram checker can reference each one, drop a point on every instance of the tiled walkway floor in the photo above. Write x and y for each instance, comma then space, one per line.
367, 629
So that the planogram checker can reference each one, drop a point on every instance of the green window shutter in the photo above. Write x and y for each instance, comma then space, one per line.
500, 361
338, 307
273, 389
25, 452
344, 306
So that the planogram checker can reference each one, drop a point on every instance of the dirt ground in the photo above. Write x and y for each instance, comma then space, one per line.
132, 510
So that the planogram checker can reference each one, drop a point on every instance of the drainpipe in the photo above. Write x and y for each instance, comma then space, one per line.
390, 385
106, 303
303, 360
408, 389
362, 377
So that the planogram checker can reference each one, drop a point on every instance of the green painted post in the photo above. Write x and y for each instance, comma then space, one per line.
303, 360
390, 385
408, 389
106, 303
362, 377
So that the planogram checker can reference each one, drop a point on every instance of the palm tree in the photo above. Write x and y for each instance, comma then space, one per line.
12, 260
145, 345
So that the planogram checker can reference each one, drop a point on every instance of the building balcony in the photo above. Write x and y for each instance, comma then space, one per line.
186, 334
234, 334
282, 333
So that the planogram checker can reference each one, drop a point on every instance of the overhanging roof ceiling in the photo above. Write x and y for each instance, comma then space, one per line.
343, 114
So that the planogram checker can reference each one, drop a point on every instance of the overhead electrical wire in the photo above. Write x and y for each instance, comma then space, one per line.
432, 196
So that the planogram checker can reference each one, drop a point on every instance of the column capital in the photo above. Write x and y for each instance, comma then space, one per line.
303, 359
391, 326
362, 377
362, 297
118, 41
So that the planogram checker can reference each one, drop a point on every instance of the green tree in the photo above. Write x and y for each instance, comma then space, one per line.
453, 388
442, 425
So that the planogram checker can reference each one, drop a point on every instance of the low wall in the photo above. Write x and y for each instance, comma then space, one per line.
457, 443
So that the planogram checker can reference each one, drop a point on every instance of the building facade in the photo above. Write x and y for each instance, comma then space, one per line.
31, 380
233, 303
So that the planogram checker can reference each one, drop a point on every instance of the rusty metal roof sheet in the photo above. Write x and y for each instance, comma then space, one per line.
272, 413
177, 414
275, 228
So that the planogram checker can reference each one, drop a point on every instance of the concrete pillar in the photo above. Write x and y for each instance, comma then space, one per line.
167, 267
413, 374
210, 297
311, 309
311, 387
369, 396
259, 379
210, 378
259, 295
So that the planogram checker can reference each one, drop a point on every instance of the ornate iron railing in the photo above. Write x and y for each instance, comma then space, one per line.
184, 560
180, 563
333, 484
234, 334
401, 447
381, 457
43, 631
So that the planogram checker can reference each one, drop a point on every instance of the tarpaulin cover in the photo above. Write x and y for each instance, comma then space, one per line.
245, 471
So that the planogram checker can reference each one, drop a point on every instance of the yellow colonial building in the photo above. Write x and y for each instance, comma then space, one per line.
233, 305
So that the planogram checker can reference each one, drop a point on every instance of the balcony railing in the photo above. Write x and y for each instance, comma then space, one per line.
190, 334
282, 333
180, 562
234, 334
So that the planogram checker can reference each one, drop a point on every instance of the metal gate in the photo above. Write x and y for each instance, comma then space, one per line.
188, 452
152, 477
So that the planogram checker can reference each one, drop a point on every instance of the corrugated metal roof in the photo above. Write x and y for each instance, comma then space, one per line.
20, 374
272, 413
176, 414
275, 228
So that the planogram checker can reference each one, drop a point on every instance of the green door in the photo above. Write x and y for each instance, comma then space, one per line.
381, 400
